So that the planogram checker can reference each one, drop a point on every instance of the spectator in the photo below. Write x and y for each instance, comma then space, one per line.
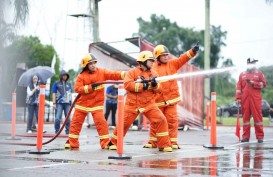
61, 97
33, 91
248, 94
111, 103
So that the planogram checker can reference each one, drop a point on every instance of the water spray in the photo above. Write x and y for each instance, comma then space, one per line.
200, 73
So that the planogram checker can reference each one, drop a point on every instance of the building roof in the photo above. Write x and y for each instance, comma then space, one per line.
124, 51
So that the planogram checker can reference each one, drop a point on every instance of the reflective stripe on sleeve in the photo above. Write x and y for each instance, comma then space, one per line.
85, 89
188, 54
136, 87
122, 74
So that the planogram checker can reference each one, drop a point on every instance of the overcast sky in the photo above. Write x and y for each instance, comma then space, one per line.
249, 24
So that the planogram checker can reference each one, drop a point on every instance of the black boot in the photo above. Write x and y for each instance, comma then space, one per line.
244, 140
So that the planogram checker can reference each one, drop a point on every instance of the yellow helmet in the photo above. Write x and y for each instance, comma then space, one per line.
88, 59
160, 50
145, 55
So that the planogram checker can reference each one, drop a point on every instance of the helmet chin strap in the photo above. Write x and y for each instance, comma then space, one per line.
145, 65
158, 59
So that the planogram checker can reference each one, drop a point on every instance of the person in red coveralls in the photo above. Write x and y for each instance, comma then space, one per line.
248, 94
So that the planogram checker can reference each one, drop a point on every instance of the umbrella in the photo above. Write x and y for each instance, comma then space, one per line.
43, 72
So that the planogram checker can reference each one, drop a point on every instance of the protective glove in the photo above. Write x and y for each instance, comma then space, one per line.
196, 48
94, 86
153, 82
145, 86
144, 82
250, 81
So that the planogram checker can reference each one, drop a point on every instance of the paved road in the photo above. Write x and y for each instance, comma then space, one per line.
236, 159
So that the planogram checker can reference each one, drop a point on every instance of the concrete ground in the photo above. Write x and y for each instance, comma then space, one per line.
193, 159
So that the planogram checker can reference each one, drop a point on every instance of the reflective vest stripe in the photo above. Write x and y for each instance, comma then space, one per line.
88, 109
173, 139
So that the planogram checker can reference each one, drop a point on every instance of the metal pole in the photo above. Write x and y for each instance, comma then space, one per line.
94, 8
207, 49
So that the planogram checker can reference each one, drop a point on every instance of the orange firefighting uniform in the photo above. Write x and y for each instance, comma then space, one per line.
91, 101
169, 96
251, 101
143, 101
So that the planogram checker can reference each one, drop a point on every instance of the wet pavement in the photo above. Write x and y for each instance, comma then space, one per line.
235, 159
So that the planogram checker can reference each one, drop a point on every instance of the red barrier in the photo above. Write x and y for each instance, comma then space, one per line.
40, 122
213, 119
213, 124
120, 125
13, 119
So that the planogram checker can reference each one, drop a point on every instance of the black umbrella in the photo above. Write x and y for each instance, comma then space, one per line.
43, 73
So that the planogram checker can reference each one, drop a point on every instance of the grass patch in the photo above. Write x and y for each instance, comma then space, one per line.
231, 121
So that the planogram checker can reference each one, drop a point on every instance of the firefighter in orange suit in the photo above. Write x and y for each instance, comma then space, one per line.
141, 99
169, 96
91, 100
248, 94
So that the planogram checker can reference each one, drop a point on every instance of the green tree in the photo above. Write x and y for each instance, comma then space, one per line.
8, 28
30, 51
13, 14
268, 91
178, 40
224, 85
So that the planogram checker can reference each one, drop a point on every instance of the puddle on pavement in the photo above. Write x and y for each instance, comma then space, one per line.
38, 158
250, 159
13, 152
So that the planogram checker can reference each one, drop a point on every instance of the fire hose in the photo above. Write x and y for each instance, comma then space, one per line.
158, 79
66, 118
